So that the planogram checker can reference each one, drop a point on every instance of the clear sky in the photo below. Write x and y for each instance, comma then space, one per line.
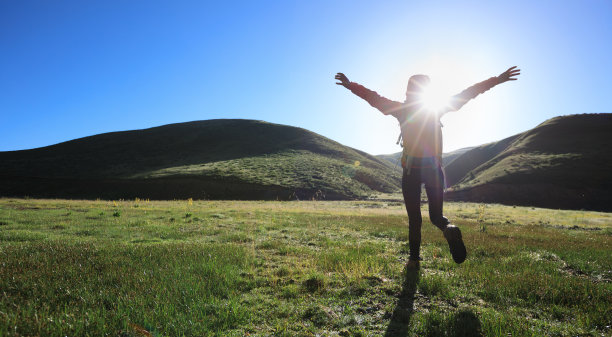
71, 69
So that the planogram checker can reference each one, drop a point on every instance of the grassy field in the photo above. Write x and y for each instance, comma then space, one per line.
223, 268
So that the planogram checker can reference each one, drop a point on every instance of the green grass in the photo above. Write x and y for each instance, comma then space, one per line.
224, 268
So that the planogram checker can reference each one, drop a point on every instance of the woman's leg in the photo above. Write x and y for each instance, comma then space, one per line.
434, 186
411, 188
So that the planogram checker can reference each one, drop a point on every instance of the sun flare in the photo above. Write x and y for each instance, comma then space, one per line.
434, 98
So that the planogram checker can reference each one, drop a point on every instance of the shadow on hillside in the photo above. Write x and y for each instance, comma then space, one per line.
461, 323
400, 319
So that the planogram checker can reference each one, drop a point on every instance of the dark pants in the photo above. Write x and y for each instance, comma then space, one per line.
433, 178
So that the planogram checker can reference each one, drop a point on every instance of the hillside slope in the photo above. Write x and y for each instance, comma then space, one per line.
219, 159
564, 162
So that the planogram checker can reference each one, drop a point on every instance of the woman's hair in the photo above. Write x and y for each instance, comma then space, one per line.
416, 83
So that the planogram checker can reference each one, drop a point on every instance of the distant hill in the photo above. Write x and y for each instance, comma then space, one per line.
564, 162
394, 158
465, 162
448, 157
217, 159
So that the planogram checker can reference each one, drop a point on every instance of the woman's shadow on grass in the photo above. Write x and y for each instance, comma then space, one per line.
400, 318
461, 323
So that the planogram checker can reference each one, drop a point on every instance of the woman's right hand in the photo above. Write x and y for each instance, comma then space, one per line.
344, 81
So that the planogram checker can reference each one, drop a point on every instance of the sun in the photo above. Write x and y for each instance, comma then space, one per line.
450, 76
435, 98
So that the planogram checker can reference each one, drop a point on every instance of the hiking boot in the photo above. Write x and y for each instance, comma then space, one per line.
413, 264
455, 243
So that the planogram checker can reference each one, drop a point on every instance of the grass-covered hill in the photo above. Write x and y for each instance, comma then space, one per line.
217, 159
564, 162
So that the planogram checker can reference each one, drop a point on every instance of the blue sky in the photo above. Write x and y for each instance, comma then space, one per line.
72, 69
